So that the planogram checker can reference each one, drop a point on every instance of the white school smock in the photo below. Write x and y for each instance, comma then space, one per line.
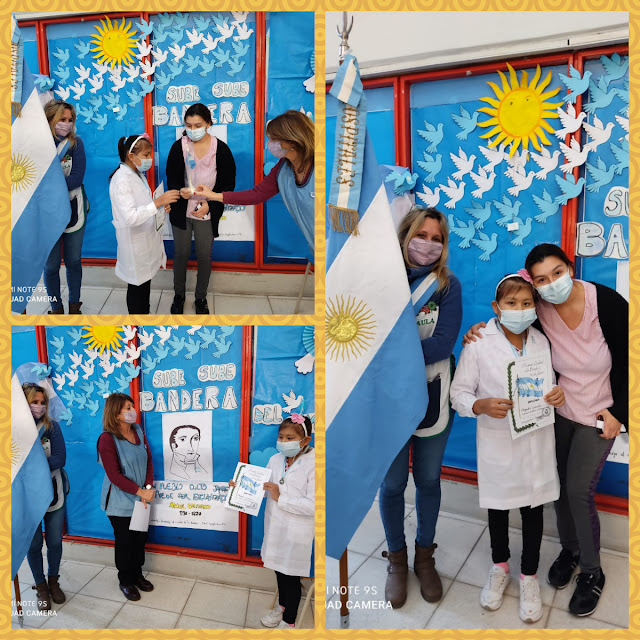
511, 473
288, 523
140, 247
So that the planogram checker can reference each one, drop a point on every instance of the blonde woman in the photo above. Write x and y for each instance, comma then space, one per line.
124, 453
54, 448
291, 140
424, 238
61, 117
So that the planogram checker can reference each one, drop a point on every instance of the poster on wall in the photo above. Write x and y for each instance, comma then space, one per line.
189, 396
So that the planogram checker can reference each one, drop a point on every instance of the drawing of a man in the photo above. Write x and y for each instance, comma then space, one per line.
184, 442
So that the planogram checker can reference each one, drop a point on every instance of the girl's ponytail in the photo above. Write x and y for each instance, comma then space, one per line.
121, 154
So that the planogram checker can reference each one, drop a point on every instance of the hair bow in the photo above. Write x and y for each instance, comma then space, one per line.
524, 274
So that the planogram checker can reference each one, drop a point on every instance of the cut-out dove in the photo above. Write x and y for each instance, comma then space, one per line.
487, 244
576, 83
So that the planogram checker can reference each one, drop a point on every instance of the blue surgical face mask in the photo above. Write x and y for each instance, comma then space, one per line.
558, 291
145, 164
289, 449
196, 134
517, 320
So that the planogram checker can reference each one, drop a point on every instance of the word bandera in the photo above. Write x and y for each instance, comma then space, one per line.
203, 398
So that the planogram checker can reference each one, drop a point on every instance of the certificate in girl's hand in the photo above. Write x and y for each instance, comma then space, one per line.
529, 379
248, 493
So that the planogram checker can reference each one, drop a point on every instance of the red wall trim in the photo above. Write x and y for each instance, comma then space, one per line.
41, 345
610, 504
261, 89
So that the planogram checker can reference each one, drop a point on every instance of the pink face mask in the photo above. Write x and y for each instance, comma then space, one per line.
37, 410
63, 128
129, 416
423, 252
276, 149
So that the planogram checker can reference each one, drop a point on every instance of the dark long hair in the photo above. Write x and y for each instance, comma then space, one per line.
198, 109
545, 250
124, 147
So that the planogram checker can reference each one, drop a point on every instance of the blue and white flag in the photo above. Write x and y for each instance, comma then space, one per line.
40, 207
31, 487
376, 390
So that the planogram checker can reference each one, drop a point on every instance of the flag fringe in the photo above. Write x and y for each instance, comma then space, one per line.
344, 220
16, 109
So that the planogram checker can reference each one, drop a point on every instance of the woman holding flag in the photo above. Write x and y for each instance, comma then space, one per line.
61, 117
437, 295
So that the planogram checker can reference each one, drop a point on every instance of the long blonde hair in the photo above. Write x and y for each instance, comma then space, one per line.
408, 229
30, 390
296, 128
54, 110
112, 408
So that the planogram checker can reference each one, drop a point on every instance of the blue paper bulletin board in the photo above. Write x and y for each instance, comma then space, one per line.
207, 57
186, 375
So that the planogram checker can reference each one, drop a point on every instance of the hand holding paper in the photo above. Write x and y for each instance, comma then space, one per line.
247, 488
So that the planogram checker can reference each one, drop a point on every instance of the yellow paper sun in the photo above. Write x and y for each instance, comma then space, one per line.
23, 172
114, 43
350, 327
102, 338
15, 453
520, 111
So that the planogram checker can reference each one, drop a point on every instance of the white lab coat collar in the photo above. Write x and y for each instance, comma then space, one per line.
503, 344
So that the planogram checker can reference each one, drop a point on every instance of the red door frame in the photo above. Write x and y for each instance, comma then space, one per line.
258, 265
402, 83
246, 380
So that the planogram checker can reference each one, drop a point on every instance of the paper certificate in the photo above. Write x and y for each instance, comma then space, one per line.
161, 214
528, 379
140, 517
248, 493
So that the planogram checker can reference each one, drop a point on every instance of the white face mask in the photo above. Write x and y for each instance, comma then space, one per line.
558, 291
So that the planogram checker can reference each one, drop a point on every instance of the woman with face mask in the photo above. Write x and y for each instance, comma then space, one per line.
53, 443
291, 140
437, 298
587, 325
135, 217
124, 453
61, 117
197, 157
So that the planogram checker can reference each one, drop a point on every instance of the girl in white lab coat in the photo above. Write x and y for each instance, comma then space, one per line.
512, 473
288, 517
140, 247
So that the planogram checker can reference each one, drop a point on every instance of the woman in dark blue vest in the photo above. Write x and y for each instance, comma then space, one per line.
437, 299
124, 453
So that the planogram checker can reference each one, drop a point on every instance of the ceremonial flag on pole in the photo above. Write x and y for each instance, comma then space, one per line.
40, 207
31, 487
376, 391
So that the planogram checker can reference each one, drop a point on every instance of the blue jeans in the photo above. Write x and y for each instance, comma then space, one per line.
53, 523
72, 248
427, 460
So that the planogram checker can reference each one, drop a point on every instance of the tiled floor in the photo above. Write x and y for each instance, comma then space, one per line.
94, 601
463, 559
229, 293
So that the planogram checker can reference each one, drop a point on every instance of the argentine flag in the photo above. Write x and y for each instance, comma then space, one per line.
40, 207
31, 487
376, 390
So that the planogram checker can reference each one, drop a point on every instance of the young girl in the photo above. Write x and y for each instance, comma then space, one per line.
288, 517
140, 247
196, 157
61, 117
512, 473
54, 448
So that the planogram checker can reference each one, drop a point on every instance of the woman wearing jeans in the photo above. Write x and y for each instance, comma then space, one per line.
424, 238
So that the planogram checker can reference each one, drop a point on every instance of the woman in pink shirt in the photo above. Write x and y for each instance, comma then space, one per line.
587, 326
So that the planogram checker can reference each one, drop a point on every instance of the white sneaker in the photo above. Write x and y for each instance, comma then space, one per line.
491, 596
284, 625
530, 601
273, 618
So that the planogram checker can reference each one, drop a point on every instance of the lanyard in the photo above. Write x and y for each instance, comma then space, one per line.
286, 468
516, 353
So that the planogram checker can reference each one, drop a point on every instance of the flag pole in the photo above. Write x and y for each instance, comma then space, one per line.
344, 565
16, 586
